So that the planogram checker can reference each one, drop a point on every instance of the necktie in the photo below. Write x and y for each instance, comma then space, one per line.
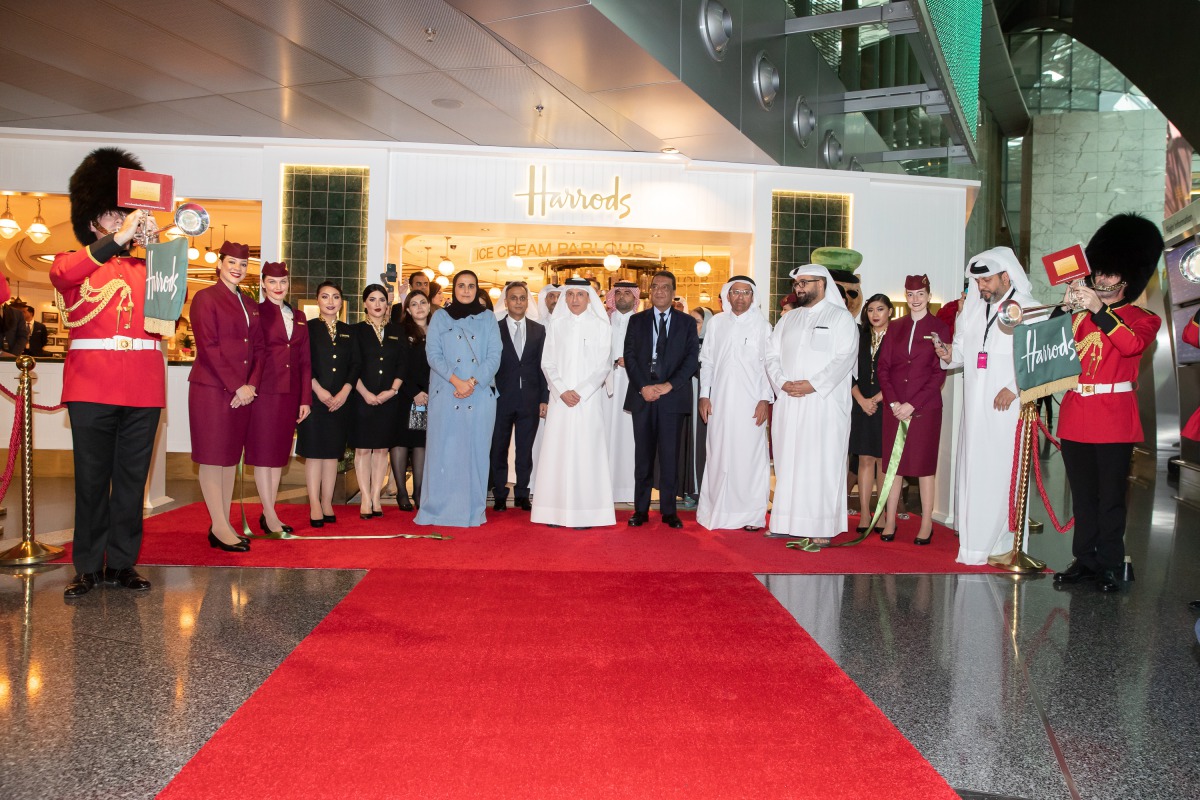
519, 341
660, 351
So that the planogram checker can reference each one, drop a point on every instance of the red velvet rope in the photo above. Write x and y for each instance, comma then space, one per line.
14, 441
1012, 486
1037, 470
15, 397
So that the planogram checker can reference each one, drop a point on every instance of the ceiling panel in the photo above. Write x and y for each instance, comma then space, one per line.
293, 108
668, 110
491, 10
476, 119
69, 53
245, 42
62, 86
224, 117
625, 129
374, 107
31, 104
460, 41
327, 30
517, 91
158, 47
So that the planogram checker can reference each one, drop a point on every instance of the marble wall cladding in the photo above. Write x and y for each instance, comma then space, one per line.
324, 221
800, 223
1088, 166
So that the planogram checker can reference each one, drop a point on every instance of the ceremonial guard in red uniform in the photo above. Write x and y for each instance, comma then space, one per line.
1191, 335
1098, 421
223, 384
114, 379
284, 391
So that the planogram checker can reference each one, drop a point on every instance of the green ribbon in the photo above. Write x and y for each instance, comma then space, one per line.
806, 544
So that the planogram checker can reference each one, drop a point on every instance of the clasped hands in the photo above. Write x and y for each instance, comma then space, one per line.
244, 396
797, 388
704, 406
462, 389
653, 391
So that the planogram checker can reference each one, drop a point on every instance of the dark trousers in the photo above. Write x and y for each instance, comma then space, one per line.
655, 439
525, 420
1098, 476
112, 447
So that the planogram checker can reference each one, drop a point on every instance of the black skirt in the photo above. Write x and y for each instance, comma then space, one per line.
866, 432
324, 433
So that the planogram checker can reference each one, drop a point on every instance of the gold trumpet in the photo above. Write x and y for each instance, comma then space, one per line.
190, 218
1011, 313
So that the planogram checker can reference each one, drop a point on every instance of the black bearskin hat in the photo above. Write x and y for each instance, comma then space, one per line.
1128, 245
93, 188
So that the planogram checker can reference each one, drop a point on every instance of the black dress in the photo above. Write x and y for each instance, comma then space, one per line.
866, 432
416, 380
335, 363
383, 361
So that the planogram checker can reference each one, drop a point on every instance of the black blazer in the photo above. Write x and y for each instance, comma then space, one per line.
333, 365
521, 382
37, 340
680, 363
380, 363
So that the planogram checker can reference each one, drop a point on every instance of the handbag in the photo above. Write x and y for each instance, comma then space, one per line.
418, 418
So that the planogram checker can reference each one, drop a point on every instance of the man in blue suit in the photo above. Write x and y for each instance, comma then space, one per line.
522, 398
662, 352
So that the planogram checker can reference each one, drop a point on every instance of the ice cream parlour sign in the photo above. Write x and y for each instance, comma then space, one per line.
564, 249
541, 198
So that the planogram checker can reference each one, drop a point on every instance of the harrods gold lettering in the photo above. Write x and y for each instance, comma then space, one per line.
539, 200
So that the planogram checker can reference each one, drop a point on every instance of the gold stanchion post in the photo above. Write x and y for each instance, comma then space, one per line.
1017, 560
29, 551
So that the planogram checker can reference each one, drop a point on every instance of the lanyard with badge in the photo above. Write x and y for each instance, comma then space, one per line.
981, 361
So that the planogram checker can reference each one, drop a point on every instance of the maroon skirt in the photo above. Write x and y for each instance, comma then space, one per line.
272, 425
218, 431
920, 446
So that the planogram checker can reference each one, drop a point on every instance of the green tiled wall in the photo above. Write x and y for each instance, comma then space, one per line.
800, 223
324, 213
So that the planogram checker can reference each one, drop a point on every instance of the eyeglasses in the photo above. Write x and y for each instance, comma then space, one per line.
804, 283
740, 292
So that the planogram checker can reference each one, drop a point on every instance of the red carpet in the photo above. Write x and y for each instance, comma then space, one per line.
509, 542
461, 684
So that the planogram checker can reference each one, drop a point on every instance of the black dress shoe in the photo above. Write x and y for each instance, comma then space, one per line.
1074, 574
81, 584
752, 528
1107, 582
330, 518
378, 513
523, 504
887, 537
128, 577
672, 521
262, 525
637, 519
500, 505
366, 516
919, 540
1194, 605
316, 523
241, 547
404, 505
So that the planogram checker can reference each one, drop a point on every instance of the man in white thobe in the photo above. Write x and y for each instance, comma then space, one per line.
622, 303
546, 302
983, 347
735, 395
812, 352
574, 484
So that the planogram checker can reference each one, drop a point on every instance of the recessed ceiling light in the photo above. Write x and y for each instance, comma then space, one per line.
670, 150
570, 233
485, 229
655, 235
447, 102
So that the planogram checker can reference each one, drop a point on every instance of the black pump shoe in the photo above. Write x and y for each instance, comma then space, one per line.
316, 523
919, 540
241, 547
887, 537
262, 525
330, 518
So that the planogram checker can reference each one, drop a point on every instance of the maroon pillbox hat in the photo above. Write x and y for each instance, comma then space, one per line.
235, 250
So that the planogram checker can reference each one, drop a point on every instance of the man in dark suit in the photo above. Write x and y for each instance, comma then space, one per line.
38, 335
662, 352
522, 399
13, 331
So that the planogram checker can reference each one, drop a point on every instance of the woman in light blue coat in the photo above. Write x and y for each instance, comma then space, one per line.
463, 349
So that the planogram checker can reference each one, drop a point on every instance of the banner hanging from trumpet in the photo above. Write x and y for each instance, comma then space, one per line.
1045, 357
166, 285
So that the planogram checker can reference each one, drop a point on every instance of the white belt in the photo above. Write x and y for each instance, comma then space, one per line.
116, 343
1104, 388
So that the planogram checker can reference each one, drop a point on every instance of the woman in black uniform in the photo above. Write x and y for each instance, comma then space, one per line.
381, 352
866, 420
321, 438
414, 392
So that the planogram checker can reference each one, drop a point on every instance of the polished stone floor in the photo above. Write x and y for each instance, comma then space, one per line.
1009, 687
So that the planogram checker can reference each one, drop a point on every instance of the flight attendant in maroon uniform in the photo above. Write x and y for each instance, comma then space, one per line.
911, 378
224, 380
1098, 421
284, 391
114, 378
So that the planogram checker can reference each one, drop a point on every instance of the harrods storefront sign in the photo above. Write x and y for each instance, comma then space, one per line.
540, 198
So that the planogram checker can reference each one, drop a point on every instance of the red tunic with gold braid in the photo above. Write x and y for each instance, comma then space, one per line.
1191, 335
115, 291
1110, 343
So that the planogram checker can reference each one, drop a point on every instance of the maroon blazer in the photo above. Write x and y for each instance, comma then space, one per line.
914, 377
287, 363
228, 351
